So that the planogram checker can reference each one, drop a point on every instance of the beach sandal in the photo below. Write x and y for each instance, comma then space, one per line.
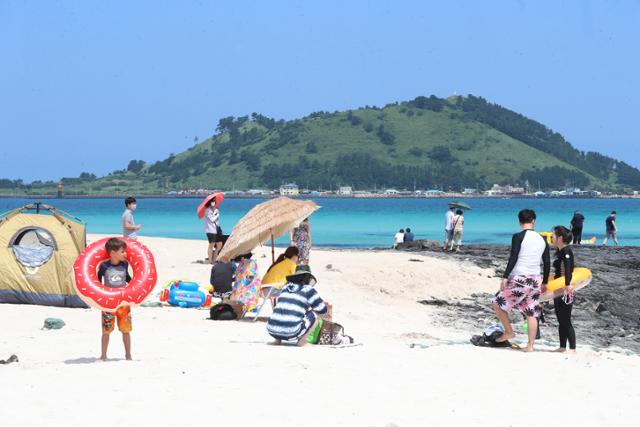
13, 358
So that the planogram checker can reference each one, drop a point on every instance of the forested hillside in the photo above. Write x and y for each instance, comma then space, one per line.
428, 142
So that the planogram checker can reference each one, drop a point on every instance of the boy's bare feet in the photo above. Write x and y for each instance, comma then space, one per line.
128, 357
560, 350
571, 351
103, 358
506, 337
528, 349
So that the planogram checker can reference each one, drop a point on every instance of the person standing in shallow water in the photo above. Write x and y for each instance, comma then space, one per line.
521, 283
301, 238
611, 228
129, 227
577, 222
448, 227
456, 230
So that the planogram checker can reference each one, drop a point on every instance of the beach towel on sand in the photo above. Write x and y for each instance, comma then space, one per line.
247, 285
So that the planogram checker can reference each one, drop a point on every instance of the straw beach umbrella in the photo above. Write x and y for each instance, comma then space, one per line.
268, 220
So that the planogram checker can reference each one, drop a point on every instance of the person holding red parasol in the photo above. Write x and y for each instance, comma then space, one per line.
208, 210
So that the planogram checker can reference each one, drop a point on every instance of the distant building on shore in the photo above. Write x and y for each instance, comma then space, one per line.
290, 189
345, 191
391, 192
497, 190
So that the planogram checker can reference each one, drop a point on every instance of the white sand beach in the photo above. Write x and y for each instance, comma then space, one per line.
407, 371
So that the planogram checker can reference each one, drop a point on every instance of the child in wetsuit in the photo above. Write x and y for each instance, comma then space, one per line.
563, 266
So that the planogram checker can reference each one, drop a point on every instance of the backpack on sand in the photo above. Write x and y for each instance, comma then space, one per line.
222, 311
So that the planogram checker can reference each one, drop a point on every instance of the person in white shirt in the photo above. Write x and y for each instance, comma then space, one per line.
448, 227
213, 230
456, 230
129, 227
398, 238
522, 283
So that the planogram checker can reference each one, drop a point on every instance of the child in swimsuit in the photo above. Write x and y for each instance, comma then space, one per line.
114, 273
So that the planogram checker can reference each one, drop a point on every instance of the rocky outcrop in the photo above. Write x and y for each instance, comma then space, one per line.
606, 313
419, 245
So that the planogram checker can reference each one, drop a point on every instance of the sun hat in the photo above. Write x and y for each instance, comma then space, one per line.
301, 272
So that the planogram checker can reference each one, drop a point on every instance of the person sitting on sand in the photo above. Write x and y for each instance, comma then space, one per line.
284, 266
563, 266
398, 238
298, 308
222, 277
521, 283
114, 273
408, 235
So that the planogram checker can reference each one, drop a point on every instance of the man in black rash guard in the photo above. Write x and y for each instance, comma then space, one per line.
612, 229
563, 266
521, 283
577, 222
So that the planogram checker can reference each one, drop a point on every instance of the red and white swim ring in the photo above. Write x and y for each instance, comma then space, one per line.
110, 299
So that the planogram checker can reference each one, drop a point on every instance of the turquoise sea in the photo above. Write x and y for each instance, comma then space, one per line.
361, 222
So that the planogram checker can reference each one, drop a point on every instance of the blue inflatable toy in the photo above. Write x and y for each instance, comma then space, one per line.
181, 293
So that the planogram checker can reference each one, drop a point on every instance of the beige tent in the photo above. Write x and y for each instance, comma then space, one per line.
38, 246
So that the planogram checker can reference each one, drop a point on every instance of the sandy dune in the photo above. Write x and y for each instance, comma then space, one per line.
406, 372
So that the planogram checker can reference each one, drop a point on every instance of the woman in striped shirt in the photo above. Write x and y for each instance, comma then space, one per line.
297, 309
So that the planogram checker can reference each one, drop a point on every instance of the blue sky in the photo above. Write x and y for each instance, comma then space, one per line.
90, 85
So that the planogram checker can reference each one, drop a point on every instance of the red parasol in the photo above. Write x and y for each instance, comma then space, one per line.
219, 197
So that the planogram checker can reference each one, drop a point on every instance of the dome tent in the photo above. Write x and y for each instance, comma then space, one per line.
38, 246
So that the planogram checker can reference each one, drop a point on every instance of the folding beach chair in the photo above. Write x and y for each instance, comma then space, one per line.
267, 292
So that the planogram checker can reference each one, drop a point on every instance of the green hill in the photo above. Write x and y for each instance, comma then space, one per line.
424, 143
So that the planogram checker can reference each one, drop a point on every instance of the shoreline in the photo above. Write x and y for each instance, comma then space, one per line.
316, 196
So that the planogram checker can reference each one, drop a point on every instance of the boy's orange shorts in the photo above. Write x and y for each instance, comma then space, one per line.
122, 316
